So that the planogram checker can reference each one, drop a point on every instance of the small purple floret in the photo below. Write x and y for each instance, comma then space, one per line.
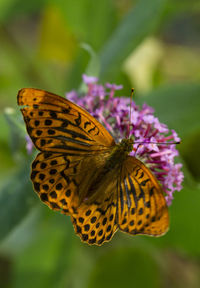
29, 144
89, 79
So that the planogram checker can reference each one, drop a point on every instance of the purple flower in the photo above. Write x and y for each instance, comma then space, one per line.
89, 79
114, 113
29, 144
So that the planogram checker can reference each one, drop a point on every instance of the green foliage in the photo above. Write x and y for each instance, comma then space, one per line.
177, 106
42, 47
16, 200
126, 268
138, 24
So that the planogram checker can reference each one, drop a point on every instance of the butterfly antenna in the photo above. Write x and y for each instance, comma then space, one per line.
158, 143
131, 98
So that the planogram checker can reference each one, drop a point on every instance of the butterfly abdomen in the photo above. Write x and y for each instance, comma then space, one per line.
113, 163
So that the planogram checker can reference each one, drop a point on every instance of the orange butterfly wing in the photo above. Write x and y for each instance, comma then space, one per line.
55, 124
141, 207
130, 199
67, 135
95, 219
95, 223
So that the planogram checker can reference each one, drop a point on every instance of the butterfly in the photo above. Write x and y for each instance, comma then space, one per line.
81, 171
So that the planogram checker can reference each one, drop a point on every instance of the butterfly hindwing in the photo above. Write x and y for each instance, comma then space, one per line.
95, 223
54, 179
55, 124
95, 219
141, 205
60, 182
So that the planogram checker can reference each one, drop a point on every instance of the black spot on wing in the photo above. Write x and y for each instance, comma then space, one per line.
86, 124
133, 191
78, 120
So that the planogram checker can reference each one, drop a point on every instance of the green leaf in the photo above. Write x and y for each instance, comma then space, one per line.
53, 246
17, 129
16, 200
12, 118
184, 233
91, 21
5, 155
120, 268
24, 234
190, 151
176, 105
5, 7
93, 67
10, 8
140, 22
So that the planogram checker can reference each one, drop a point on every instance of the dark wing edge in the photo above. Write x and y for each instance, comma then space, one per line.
141, 205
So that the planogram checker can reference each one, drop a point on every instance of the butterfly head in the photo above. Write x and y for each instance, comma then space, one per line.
127, 145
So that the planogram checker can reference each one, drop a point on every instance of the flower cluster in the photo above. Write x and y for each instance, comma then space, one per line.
114, 114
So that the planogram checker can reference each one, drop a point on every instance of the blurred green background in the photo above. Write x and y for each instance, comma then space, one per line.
153, 46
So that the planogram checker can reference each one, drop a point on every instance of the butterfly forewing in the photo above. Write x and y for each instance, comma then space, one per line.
58, 125
66, 134
141, 205
55, 180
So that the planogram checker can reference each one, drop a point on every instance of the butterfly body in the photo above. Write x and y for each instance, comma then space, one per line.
120, 152
117, 156
82, 172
